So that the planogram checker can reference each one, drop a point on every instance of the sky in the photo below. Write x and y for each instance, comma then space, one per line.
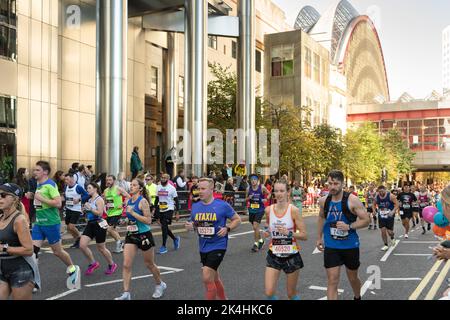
410, 32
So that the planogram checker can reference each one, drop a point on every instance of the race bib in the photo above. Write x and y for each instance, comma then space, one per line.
103, 224
37, 204
282, 246
406, 206
423, 204
163, 206
109, 204
384, 213
69, 202
132, 228
401, 212
296, 198
206, 229
337, 234
254, 205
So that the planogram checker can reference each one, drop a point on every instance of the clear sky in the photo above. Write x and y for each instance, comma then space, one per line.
411, 36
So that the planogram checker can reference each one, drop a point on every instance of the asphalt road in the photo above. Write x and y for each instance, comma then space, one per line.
400, 271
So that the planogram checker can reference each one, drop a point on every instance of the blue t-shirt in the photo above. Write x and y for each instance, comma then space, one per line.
338, 239
209, 219
384, 206
256, 203
142, 227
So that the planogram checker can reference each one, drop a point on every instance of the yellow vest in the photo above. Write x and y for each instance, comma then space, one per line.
151, 191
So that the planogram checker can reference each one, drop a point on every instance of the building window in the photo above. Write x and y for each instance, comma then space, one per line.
282, 61
7, 112
316, 68
234, 49
308, 62
8, 23
324, 77
181, 92
224, 50
212, 42
154, 82
258, 61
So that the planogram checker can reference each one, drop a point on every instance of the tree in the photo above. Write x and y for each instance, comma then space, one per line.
330, 149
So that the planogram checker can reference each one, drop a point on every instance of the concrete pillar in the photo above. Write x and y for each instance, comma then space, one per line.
111, 85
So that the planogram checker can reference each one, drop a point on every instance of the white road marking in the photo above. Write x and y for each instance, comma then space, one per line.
388, 253
366, 286
233, 235
401, 279
413, 254
62, 294
324, 289
420, 241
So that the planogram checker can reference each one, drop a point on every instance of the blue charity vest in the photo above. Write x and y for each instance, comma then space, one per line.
334, 238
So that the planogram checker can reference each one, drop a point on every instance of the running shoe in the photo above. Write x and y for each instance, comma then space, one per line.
111, 269
124, 296
92, 267
176, 243
423, 230
385, 248
255, 248
406, 236
375, 227
159, 290
393, 242
260, 244
119, 247
74, 278
163, 250
370, 227
76, 244
429, 227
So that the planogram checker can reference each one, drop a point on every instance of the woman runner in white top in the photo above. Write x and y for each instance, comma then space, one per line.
285, 226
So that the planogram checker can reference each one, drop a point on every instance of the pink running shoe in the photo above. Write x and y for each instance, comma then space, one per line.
111, 269
92, 267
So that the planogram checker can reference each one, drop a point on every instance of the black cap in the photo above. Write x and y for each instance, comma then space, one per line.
12, 189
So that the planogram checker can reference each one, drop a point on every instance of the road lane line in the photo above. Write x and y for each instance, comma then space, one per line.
413, 254
416, 293
121, 280
420, 242
401, 279
388, 253
62, 294
316, 251
233, 235
324, 289
439, 280
366, 286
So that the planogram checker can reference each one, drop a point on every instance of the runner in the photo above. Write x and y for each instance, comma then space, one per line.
286, 228
209, 217
74, 195
370, 199
386, 206
406, 199
139, 236
113, 196
151, 188
298, 196
337, 237
166, 202
96, 229
255, 194
195, 193
48, 223
18, 272
415, 206
424, 200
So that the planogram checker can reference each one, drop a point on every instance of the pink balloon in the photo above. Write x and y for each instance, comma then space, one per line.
428, 213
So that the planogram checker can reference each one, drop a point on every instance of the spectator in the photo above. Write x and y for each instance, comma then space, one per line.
135, 163
180, 181
80, 177
122, 183
229, 185
240, 171
59, 179
227, 172
243, 186
21, 179
219, 186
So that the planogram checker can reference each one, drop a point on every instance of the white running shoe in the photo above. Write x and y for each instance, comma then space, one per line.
385, 248
74, 278
119, 247
406, 236
124, 296
159, 290
393, 242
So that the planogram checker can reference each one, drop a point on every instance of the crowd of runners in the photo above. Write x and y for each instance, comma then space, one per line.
274, 209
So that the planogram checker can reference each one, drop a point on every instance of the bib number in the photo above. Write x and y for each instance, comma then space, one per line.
69, 202
423, 204
163, 206
384, 213
282, 246
132, 228
406, 206
296, 198
337, 234
103, 224
254, 205
206, 229
37, 204
109, 204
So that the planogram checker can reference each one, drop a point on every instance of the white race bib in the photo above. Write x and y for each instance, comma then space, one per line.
338, 234
282, 246
206, 229
103, 224
384, 213
132, 228
406, 206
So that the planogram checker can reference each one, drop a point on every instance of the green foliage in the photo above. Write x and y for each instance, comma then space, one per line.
6, 169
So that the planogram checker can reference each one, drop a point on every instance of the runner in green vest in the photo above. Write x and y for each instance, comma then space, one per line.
298, 196
114, 205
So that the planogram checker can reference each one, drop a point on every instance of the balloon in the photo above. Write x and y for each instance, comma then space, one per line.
440, 232
428, 213
440, 220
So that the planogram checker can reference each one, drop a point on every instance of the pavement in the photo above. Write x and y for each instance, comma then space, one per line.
402, 273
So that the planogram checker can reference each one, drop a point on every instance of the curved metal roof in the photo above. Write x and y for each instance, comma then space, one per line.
306, 19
